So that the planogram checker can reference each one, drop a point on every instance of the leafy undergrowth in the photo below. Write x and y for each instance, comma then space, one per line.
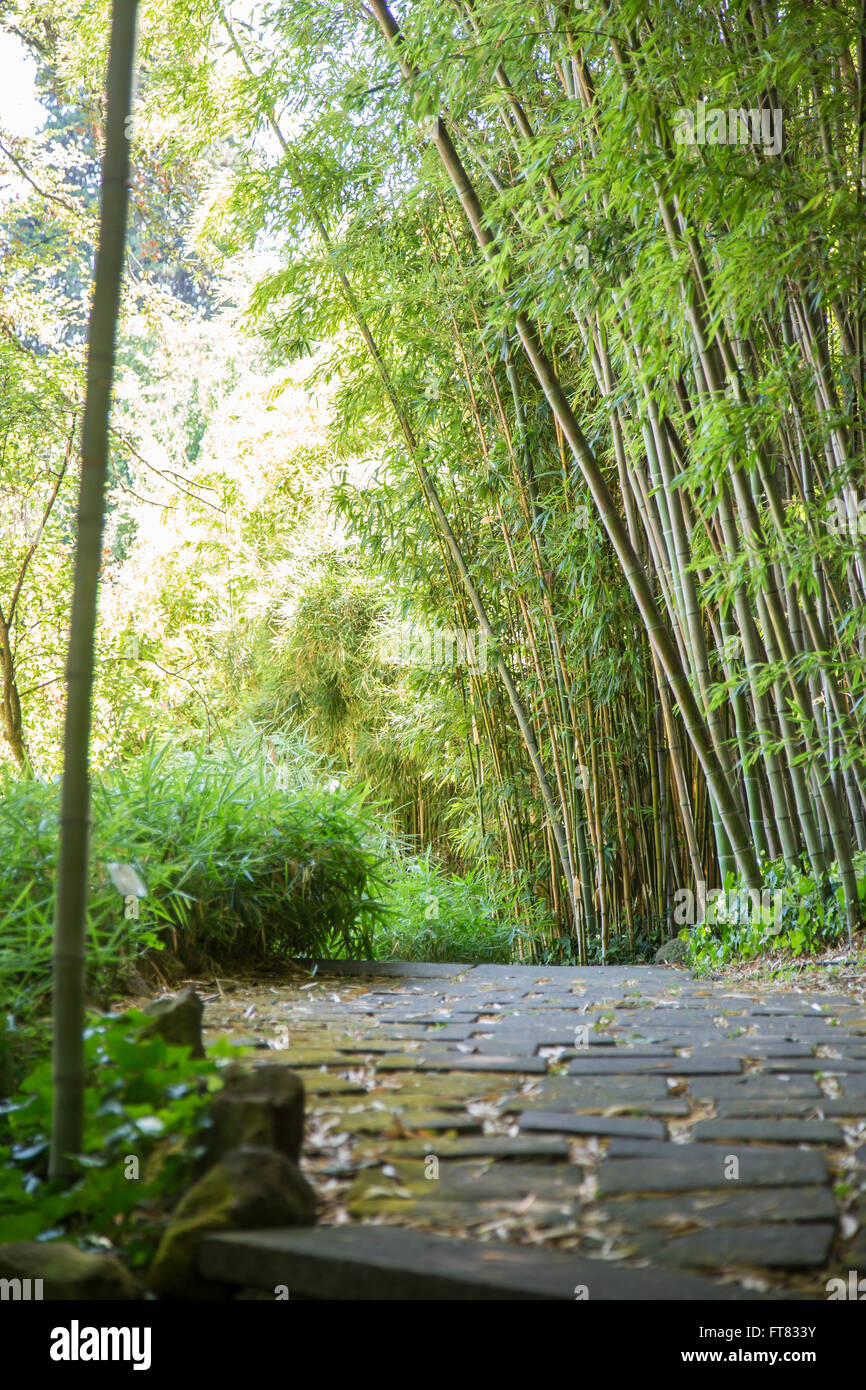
146, 1110
649, 933
839, 969
436, 916
795, 916
205, 852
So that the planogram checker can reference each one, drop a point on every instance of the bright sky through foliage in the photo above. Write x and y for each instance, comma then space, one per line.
20, 112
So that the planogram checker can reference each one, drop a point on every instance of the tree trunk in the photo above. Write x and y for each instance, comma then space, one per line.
70, 932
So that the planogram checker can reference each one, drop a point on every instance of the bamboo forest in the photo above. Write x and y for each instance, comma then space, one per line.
432, 663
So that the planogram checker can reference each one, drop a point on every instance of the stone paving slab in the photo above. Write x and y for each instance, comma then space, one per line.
578, 1091
752, 1087
412, 970
737, 1208
791, 1247
381, 1263
619, 1125
818, 1106
409, 1122
770, 1131
476, 1146
451, 1088
686, 1167
481, 1181
327, 1084
829, 1066
755, 1048
571, 1112
797, 1246
671, 1065
523, 1066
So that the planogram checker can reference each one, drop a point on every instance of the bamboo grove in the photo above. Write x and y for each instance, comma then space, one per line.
592, 274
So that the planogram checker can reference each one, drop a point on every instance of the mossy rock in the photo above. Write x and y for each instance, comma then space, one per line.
675, 952
67, 1273
249, 1189
177, 1019
258, 1107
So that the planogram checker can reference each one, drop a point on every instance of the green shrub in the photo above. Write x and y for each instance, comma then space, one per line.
649, 934
434, 916
806, 917
142, 1096
233, 863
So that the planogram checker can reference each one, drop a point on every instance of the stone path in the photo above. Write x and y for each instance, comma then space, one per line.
628, 1129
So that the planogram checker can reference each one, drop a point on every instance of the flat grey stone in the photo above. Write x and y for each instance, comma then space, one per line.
770, 1131
780, 1246
752, 1086
564, 975
460, 1032
637, 1051
456, 1120
792, 1009
428, 1019
477, 1182
648, 1148
378, 1121
792, 1107
855, 1253
672, 1037
512, 1039
852, 1107
807, 1028
480, 1146
828, 1066
398, 1061
457, 1061
501, 1047
381, 969
669, 1018
560, 1122
369, 1047
746, 1047
731, 1207
578, 1092
646, 977
696, 1166
384, 1263
670, 1066
626, 1109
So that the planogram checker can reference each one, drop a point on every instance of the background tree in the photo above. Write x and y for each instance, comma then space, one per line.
68, 1058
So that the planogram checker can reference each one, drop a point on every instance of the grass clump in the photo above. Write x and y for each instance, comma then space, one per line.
235, 859
796, 914
436, 916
